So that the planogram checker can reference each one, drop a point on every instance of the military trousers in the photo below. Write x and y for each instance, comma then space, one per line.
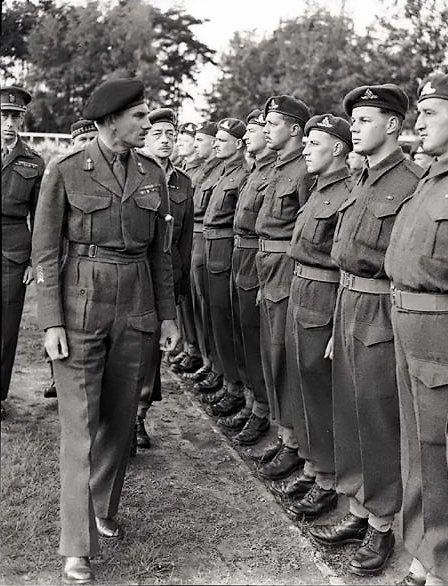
246, 325
199, 294
13, 296
366, 418
152, 382
186, 322
308, 329
422, 371
110, 320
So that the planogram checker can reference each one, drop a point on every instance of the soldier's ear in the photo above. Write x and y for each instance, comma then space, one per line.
239, 143
296, 130
337, 148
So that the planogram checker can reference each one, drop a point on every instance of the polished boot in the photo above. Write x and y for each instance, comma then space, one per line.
293, 487
267, 454
373, 553
350, 529
77, 570
198, 375
143, 439
316, 502
212, 398
188, 364
253, 431
228, 405
282, 465
211, 383
109, 528
235, 422
178, 358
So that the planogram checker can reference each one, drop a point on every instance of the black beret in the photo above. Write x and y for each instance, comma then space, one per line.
82, 126
187, 128
14, 97
162, 115
233, 126
288, 106
256, 117
388, 96
210, 128
434, 86
330, 124
113, 96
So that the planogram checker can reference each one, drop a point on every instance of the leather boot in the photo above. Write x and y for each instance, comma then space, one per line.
210, 384
293, 487
109, 528
228, 405
267, 454
212, 398
50, 391
77, 570
255, 428
143, 439
316, 502
350, 529
373, 554
188, 364
284, 462
199, 375
235, 422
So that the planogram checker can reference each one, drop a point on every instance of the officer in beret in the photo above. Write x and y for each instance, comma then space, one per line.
22, 171
83, 131
100, 312
218, 234
365, 396
186, 152
205, 378
311, 304
159, 144
252, 421
287, 192
417, 264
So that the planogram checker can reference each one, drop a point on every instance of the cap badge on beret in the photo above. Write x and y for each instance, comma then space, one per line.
325, 123
225, 124
428, 89
189, 127
261, 118
273, 105
12, 98
369, 95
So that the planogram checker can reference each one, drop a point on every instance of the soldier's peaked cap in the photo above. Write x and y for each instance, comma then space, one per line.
15, 98
113, 96
187, 128
210, 128
288, 106
256, 117
434, 86
387, 96
81, 127
330, 124
162, 115
234, 126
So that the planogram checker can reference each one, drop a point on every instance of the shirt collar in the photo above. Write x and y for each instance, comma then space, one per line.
108, 154
294, 155
385, 165
333, 177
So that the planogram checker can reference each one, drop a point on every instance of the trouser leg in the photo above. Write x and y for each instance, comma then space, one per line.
151, 381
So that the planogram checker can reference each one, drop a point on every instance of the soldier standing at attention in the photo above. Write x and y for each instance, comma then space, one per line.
100, 312
191, 163
417, 263
312, 299
159, 144
287, 192
22, 171
365, 398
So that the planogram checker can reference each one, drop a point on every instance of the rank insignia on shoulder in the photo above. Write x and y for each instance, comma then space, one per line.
39, 274
369, 95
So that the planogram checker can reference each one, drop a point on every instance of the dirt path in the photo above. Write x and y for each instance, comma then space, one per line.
193, 508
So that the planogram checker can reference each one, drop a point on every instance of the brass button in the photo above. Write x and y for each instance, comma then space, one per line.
326, 202
82, 291
389, 197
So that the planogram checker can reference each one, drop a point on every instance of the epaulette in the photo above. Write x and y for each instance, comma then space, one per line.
69, 153
414, 168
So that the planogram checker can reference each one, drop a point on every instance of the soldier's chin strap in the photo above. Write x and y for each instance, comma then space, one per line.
168, 232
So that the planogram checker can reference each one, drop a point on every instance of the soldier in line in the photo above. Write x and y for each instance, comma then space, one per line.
365, 405
287, 192
417, 263
22, 171
252, 422
311, 305
159, 144
101, 311
185, 147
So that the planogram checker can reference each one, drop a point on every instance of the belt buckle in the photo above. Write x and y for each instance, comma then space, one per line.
261, 245
236, 239
92, 250
297, 269
396, 297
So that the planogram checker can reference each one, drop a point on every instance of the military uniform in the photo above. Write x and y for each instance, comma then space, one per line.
114, 289
22, 171
193, 169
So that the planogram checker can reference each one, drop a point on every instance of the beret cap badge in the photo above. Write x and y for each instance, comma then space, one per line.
369, 95
12, 98
325, 123
428, 89
273, 105
225, 124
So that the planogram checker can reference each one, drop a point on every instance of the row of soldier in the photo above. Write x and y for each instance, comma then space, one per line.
281, 283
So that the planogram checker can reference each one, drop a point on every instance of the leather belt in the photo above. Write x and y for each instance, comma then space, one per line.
198, 227
101, 253
423, 302
316, 273
363, 285
273, 245
216, 233
242, 242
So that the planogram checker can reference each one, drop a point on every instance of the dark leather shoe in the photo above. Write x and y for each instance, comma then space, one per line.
50, 391
282, 465
198, 375
350, 529
235, 422
178, 358
254, 430
77, 570
109, 528
188, 364
267, 454
228, 405
211, 383
373, 554
316, 502
294, 487
212, 398
143, 439
411, 580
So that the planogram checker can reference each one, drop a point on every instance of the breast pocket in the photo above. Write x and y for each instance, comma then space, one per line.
340, 218
228, 198
318, 227
254, 198
89, 214
436, 242
178, 201
22, 182
375, 224
144, 216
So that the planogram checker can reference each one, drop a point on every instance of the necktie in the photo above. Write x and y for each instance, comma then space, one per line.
119, 168
5, 153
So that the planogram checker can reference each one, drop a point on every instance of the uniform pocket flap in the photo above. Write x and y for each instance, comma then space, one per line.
26, 172
385, 207
145, 322
370, 335
260, 186
327, 212
438, 209
89, 203
177, 196
148, 201
350, 201
309, 318
432, 374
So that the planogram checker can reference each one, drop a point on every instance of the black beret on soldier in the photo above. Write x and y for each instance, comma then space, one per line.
162, 115
387, 96
187, 128
114, 96
15, 98
210, 128
81, 127
334, 125
434, 86
256, 117
288, 106
234, 126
